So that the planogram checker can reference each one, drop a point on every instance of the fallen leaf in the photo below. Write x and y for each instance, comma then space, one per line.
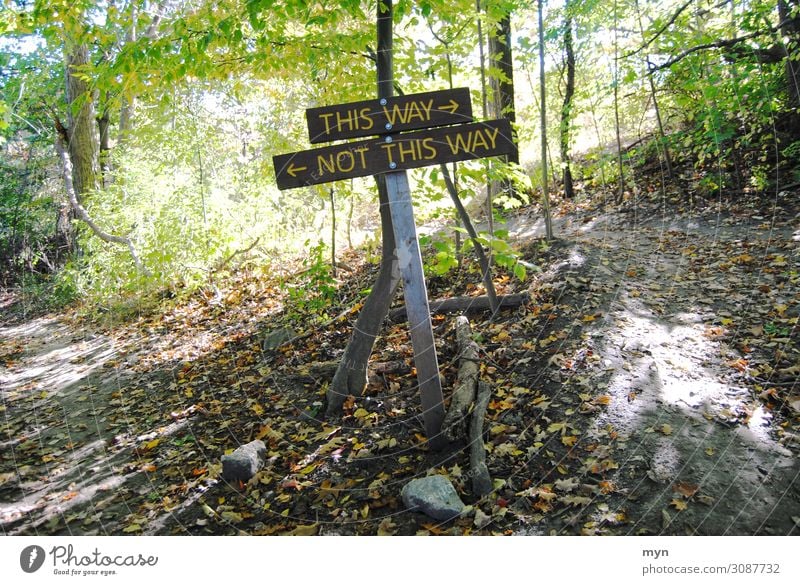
481, 519
230, 516
665, 429
566, 485
303, 530
433, 528
149, 446
687, 490
607, 487
678, 504
575, 500
387, 528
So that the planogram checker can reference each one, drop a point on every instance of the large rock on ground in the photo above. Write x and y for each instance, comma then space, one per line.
245, 462
433, 495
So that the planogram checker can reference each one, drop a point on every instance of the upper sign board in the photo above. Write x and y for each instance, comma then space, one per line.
390, 115
393, 153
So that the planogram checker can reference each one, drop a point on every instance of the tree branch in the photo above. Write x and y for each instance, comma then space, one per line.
83, 215
723, 44
659, 32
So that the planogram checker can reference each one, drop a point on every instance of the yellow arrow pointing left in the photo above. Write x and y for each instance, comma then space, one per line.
292, 170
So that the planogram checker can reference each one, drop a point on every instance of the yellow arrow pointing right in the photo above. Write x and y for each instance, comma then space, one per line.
451, 107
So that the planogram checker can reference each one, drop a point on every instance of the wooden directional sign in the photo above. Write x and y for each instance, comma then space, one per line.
394, 153
397, 114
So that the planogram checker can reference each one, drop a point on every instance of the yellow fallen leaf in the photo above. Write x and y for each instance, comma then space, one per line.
678, 504
569, 441
303, 530
230, 516
132, 528
666, 429
149, 446
257, 409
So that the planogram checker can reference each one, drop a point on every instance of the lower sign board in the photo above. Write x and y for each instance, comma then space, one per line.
393, 153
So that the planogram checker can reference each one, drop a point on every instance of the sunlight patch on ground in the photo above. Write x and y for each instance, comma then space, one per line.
45, 369
658, 365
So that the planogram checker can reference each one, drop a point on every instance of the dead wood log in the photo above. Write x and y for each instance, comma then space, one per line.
319, 370
481, 480
455, 421
464, 305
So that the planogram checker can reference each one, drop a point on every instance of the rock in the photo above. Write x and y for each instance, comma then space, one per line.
245, 462
274, 339
433, 495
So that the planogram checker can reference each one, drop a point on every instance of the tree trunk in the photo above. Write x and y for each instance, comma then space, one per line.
500, 59
125, 115
548, 221
82, 145
566, 108
662, 135
503, 85
103, 124
351, 375
485, 113
621, 169
483, 260
791, 33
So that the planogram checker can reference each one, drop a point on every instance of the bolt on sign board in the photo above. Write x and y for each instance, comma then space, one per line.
389, 115
394, 153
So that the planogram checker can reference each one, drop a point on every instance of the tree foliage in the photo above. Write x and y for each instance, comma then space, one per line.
181, 105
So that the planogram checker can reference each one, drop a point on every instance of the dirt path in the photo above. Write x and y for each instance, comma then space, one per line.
650, 387
674, 312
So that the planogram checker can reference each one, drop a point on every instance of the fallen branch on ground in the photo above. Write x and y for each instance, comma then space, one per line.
481, 480
464, 305
455, 421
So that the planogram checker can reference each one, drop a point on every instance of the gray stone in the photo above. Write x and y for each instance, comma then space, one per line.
274, 339
433, 495
245, 462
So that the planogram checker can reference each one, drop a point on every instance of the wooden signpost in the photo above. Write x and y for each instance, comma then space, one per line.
449, 136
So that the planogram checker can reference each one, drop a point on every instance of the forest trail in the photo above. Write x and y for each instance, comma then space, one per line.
681, 304
650, 388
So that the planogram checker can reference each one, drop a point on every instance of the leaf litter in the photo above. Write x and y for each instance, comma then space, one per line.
679, 335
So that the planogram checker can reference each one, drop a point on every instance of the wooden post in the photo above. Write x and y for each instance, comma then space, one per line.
416, 298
